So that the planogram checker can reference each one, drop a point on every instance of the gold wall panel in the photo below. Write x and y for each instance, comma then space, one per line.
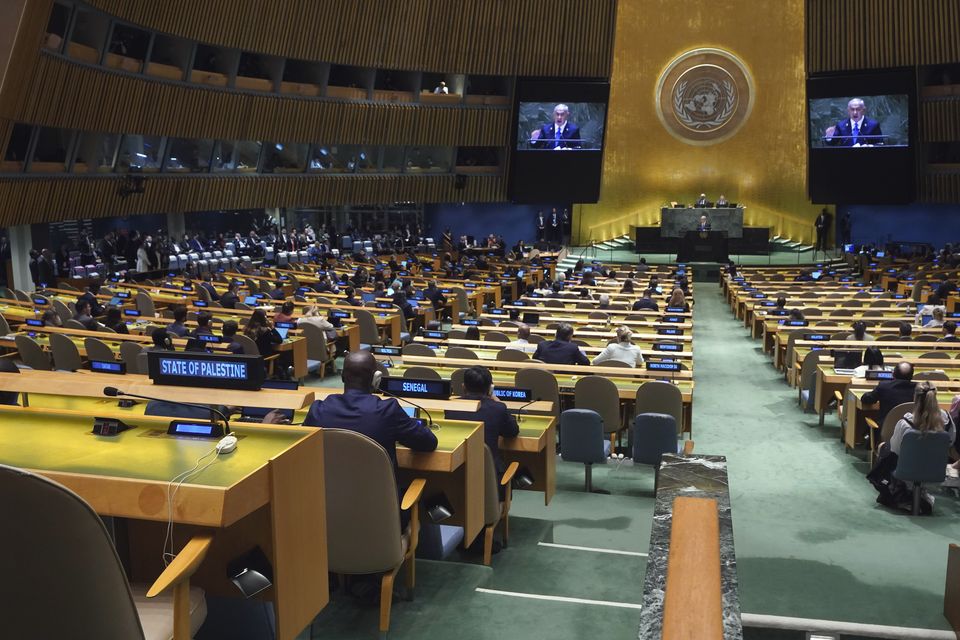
61, 93
495, 37
28, 200
763, 165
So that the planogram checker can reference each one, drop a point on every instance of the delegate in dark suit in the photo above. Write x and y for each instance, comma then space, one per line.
569, 137
497, 421
844, 135
560, 352
890, 393
382, 420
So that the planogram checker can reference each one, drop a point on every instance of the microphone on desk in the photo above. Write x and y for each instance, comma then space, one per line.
411, 402
520, 410
113, 392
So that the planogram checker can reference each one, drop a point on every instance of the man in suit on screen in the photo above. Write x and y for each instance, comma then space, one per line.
559, 134
855, 131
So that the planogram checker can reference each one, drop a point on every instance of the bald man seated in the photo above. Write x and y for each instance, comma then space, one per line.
357, 409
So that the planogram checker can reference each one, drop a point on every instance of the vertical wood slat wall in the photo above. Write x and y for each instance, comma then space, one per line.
41, 200
61, 93
871, 34
494, 37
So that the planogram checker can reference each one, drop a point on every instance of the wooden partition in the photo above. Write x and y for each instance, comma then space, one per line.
520, 37
692, 604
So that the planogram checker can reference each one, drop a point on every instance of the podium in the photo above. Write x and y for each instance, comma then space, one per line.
675, 223
703, 246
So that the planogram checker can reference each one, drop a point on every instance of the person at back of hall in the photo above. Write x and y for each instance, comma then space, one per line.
611, 280
203, 324
230, 298
622, 350
678, 301
872, 361
497, 419
646, 302
522, 343
949, 332
277, 292
286, 312
162, 340
177, 327
229, 330
859, 328
890, 393
905, 331
83, 316
114, 320
560, 350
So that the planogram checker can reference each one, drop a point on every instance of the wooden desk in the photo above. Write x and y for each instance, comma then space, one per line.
455, 469
535, 449
267, 493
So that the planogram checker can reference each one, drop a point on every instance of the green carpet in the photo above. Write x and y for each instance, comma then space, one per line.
811, 542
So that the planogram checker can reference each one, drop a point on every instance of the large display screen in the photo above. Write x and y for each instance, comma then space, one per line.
860, 121
861, 137
560, 126
558, 136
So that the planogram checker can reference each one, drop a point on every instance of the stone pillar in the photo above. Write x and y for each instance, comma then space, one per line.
21, 243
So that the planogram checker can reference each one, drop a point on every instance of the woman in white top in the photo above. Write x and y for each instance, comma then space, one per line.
143, 259
312, 316
622, 350
926, 416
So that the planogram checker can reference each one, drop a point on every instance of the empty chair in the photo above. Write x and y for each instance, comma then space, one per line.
363, 519
582, 440
542, 384
616, 364
418, 349
931, 375
21, 295
461, 352
535, 338
808, 379
883, 433
77, 585
369, 334
598, 315
660, 397
496, 336
66, 356
935, 355
97, 350
128, 353
840, 313
4, 326
601, 395
145, 305
922, 459
495, 511
456, 382
320, 352
512, 355
652, 435
32, 354
421, 373
553, 303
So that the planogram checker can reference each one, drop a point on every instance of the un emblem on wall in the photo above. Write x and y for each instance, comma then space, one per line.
704, 96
